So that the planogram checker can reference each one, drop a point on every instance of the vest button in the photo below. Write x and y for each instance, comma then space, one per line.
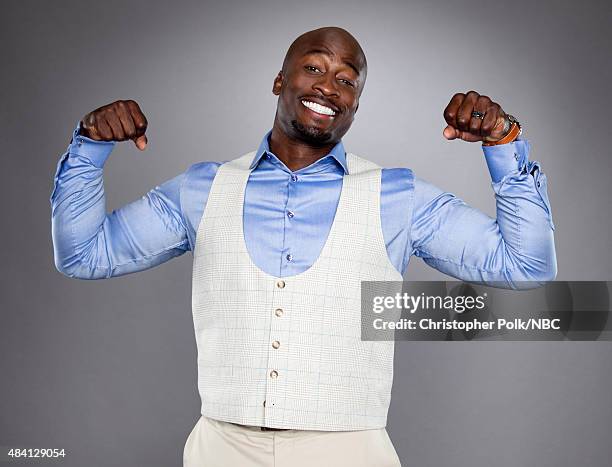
274, 374
276, 344
280, 284
278, 312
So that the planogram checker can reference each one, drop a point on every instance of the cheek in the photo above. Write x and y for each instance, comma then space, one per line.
301, 84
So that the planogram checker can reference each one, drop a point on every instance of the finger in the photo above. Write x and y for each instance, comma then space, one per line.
125, 118
481, 105
103, 129
113, 121
451, 133
470, 137
451, 110
140, 121
89, 127
490, 120
141, 142
464, 114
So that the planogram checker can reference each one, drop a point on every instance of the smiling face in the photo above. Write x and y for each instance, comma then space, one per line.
319, 86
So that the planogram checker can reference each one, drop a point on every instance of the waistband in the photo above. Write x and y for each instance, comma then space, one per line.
259, 428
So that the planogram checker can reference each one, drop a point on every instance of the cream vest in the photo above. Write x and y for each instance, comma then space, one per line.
287, 353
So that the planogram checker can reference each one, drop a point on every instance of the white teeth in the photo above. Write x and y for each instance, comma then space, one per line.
318, 108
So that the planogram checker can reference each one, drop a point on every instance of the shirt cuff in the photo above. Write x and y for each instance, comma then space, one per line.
503, 159
96, 151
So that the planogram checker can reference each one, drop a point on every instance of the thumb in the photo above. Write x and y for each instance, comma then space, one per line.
451, 133
141, 142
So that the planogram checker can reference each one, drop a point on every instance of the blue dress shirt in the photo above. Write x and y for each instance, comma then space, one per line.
288, 215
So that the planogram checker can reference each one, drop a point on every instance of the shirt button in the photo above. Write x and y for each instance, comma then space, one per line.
290, 213
264, 403
280, 284
289, 257
276, 344
538, 184
293, 177
274, 374
278, 312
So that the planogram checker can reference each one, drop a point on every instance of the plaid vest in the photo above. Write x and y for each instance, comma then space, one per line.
287, 352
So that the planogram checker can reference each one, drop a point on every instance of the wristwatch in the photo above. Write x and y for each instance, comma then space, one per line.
512, 129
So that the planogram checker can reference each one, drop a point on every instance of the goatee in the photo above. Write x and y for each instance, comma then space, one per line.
311, 134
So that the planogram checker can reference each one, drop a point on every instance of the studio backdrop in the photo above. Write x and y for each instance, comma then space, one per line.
107, 369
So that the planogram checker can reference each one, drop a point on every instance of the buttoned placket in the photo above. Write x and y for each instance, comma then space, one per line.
288, 250
291, 210
276, 353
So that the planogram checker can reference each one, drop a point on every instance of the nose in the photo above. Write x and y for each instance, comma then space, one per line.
326, 85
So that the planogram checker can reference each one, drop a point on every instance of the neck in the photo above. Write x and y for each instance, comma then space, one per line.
294, 153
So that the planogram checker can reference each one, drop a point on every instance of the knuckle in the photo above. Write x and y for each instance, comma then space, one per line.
88, 119
97, 122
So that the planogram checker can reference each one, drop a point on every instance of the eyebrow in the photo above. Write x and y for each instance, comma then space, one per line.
328, 53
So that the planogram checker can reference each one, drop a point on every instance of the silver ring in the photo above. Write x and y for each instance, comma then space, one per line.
478, 114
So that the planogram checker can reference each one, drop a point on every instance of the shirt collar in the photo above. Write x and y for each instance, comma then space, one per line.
337, 152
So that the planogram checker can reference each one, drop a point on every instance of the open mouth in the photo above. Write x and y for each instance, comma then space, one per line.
319, 109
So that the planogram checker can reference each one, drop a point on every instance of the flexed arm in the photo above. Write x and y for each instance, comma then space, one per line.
91, 244
516, 246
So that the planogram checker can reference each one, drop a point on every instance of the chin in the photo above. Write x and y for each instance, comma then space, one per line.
311, 134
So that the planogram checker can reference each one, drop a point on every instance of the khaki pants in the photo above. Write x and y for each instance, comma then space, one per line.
213, 443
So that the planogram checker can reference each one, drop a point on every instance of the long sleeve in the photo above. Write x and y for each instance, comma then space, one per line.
467, 244
88, 243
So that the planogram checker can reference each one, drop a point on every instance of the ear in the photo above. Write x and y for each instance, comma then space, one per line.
278, 83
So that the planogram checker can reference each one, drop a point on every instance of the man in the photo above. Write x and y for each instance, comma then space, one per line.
282, 238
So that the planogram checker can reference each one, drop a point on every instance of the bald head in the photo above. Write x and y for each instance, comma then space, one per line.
321, 36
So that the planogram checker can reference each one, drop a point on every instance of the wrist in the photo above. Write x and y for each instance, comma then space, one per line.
81, 130
512, 130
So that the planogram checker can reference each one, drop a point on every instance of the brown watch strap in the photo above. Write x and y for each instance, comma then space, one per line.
513, 133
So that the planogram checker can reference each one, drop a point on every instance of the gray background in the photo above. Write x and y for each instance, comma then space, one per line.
107, 369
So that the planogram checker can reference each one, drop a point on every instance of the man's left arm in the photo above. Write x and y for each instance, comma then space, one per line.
464, 242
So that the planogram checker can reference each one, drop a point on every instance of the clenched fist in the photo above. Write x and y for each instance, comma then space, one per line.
118, 121
464, 125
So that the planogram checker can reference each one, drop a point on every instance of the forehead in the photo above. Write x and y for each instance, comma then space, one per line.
331, 43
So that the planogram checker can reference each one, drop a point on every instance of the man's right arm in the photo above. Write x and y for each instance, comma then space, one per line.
91, 244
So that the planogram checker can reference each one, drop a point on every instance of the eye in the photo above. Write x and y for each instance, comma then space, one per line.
347, 82
312, 68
